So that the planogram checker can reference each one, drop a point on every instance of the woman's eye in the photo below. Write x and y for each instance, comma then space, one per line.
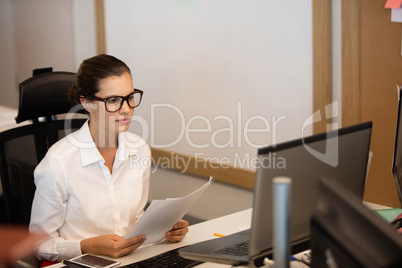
113, 100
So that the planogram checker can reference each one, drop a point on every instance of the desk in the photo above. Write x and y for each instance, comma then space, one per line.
229, 224
226, 225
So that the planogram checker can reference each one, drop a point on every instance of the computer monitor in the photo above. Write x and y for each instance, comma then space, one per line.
345, 233
397, 160
342, 154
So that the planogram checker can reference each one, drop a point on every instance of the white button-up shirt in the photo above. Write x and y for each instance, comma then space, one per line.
77, 197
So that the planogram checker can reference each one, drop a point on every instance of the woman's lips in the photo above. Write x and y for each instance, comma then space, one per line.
124, 121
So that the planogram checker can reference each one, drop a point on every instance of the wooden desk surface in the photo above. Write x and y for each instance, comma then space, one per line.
198, 232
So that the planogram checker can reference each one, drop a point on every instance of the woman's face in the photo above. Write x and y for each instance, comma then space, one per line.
112, 122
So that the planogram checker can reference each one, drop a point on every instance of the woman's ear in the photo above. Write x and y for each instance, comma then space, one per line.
87, 104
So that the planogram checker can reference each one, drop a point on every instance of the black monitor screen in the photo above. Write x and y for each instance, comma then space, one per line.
345, 233
341, 154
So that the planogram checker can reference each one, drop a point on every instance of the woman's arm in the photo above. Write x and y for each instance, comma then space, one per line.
49, 211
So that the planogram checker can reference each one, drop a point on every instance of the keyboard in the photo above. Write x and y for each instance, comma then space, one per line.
167, 259
240, 249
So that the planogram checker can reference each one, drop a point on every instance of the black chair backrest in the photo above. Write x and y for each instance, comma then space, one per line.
21, 150
44, 96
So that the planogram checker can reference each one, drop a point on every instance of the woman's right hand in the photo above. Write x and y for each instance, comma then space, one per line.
111, 244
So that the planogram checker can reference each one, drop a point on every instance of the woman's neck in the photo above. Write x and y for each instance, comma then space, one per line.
103, 139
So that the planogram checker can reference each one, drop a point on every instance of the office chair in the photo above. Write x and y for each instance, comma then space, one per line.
44, 95
43, 98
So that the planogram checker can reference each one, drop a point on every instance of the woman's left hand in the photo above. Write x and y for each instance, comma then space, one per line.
178, 231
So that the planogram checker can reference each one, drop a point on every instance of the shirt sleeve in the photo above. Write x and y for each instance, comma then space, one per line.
49, 210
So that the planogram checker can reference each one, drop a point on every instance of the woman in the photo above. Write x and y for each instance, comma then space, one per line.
92, 185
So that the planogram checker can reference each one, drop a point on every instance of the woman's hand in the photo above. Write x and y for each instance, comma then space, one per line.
178, 231
111, 244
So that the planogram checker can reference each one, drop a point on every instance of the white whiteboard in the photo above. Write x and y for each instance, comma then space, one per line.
212, 68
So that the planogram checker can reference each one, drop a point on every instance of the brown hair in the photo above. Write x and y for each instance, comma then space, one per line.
90, 74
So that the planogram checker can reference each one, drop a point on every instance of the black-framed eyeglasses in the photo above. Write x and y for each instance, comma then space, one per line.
114, 104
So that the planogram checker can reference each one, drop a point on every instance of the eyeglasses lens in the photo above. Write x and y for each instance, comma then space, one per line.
134, 100
114, 104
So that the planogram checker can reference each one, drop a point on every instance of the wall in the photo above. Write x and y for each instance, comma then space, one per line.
83, 19
371, 69
218, 200
42, 33
380, 72
255, 75
8, 85
70, 28
337, 56
213, 70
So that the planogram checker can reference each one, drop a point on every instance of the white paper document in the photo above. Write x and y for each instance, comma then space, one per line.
161, 215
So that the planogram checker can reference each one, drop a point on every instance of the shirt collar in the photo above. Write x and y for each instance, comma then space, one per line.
127, 145
89, 153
